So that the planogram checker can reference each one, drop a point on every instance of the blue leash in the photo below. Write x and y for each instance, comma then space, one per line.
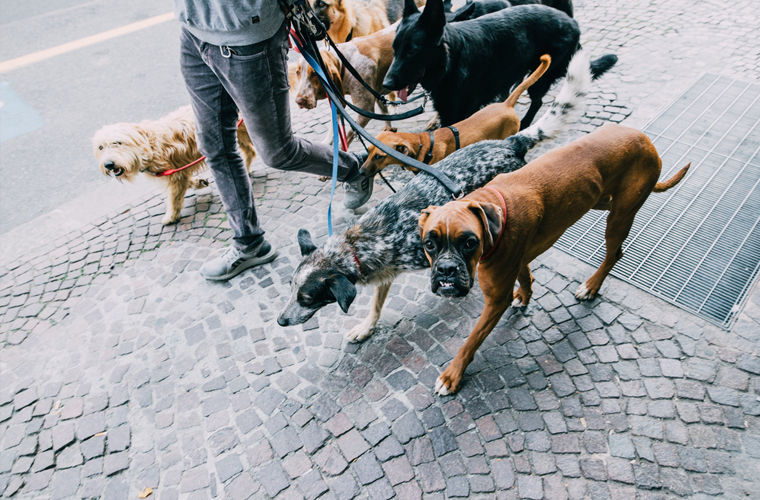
318, 70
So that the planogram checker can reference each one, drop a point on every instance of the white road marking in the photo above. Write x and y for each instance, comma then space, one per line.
35, 57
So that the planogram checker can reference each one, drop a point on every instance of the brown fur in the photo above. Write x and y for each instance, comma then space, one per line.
155, 146
370, 55
614, 168
355, 17
495, 121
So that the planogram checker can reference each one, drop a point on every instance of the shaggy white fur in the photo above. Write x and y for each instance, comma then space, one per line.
124, 150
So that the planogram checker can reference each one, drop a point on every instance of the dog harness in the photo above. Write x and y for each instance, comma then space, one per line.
429, 155
503, 224
455, 131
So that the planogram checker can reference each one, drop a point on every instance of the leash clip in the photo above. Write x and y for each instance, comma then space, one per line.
225, 51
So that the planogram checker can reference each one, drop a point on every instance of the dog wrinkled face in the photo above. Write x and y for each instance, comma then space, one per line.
315, 284
417, 36
454, 237
121, 150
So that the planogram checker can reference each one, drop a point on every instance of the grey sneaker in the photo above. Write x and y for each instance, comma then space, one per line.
234, 261
358, 191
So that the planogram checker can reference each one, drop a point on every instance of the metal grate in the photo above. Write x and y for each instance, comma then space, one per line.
698, 244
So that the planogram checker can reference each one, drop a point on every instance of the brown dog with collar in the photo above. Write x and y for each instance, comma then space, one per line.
495, 121
499, 229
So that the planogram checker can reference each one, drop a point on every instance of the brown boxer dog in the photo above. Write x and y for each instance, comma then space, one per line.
500, 228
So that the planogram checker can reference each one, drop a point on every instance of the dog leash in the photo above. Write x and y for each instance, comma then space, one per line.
503, 224
191, 164
300, 42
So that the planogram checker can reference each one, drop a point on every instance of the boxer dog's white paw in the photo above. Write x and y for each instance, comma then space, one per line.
440, 388
583, 293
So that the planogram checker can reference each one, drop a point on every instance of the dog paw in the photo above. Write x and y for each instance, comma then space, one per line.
583, 293
521, 298
448, 381
359, 332
440, 387
169, 219
517, 304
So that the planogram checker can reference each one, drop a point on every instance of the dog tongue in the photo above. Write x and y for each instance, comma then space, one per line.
403, 94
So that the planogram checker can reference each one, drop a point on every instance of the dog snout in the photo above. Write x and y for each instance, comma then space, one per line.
447, 269
282, 321
109, 165
302, 102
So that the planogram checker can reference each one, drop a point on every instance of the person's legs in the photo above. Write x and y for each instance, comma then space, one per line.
256, 76
216, 119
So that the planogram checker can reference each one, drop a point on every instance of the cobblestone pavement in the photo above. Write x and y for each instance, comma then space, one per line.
122, 369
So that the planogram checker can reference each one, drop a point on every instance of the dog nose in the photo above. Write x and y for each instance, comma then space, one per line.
301, 101
282, 321
447, 269
109, 165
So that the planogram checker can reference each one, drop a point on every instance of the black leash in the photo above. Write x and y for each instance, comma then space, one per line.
302, 19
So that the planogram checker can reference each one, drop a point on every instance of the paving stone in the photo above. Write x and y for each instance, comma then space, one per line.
69, 457
65, 483
228, 467
352, 445
116, 462
62, 435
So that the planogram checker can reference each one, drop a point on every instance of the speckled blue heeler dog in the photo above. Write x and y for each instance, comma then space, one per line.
385, 241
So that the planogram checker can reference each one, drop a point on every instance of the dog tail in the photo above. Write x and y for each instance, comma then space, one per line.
567, 106
512, 99
665, 185
602, 65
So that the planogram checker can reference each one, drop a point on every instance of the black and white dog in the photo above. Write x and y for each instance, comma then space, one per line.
468, 64
385, 241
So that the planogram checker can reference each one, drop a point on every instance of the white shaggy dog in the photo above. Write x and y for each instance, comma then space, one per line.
124, 150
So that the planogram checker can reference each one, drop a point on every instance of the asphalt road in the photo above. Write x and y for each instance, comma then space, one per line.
50, 108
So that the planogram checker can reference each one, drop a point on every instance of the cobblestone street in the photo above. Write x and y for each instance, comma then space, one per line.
122, 369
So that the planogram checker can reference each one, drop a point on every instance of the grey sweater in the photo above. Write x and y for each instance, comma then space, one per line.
230, 22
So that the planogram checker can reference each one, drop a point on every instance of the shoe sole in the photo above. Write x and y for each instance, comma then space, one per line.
257, 261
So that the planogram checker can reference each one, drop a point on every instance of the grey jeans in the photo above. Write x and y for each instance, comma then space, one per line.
254, 80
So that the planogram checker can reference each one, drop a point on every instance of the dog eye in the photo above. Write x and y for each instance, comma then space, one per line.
430, 245
100, 147
471, 243
118, 143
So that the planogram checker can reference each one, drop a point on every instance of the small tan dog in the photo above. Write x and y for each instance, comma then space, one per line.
369, 55
124, 150
495, 121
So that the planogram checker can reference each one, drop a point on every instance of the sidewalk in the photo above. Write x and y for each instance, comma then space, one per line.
122, 369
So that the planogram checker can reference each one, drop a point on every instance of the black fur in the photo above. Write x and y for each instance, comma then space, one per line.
468, 64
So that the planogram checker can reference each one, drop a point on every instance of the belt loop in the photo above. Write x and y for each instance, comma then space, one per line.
225, 51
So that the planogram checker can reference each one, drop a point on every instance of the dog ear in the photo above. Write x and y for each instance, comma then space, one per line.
410, 7
304, 241
424, 217
434, 18
343, 290
464, 13
333, 69
490, 218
